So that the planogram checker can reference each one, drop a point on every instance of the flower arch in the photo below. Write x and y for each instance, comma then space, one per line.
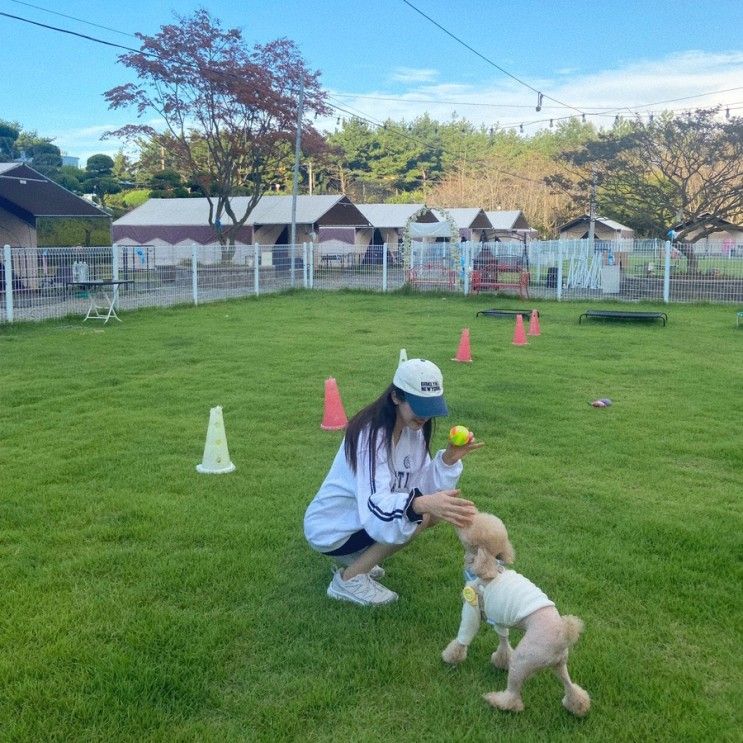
444, 216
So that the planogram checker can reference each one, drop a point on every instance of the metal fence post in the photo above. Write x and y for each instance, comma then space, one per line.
115, 262
384, 267
8, 283
256, 266
312, 264
667, 273
304, 265
195, 273
465, 258
559, 271
115, 271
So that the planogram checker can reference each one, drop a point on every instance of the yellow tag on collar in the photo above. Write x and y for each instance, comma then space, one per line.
470, 595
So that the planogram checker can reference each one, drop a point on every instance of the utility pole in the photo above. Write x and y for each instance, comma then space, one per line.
295, 176
592, 210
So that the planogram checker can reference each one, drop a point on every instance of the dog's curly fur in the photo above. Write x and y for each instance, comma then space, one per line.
547, 636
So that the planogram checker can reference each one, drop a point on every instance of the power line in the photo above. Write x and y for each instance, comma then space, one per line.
632, 110
136, 51
433, 101
72, 18
72, 33
360, 115
426, 145
540, 95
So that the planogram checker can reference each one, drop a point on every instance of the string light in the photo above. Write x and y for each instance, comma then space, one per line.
539, 101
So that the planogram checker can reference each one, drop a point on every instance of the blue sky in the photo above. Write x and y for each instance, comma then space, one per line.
382, 58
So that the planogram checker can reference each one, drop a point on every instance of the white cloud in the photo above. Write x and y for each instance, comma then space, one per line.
637, 86
413, 75
86, 141
631, 87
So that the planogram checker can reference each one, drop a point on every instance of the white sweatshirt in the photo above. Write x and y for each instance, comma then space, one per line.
504, 601
346, 502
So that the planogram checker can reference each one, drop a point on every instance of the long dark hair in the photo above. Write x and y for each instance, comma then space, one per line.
378, 416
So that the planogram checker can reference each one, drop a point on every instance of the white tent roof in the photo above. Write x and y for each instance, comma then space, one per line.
466, 216
278, 209
585, 219
269, 210
389, 215
507, 220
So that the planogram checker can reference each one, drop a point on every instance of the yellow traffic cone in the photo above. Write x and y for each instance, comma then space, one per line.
216, 460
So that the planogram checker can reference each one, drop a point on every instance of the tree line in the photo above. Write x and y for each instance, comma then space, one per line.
231, 113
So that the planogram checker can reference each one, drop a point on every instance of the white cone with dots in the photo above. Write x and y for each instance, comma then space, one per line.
216, 459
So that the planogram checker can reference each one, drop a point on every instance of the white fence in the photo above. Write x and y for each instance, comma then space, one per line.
40, 283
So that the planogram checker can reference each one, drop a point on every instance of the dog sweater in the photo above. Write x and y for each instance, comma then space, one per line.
503, 601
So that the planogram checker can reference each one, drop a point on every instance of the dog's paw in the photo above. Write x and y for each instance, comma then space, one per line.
501, 657
578, 702
454, 653
504, 700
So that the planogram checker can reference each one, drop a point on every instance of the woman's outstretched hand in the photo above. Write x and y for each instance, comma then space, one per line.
446, 505
453, 454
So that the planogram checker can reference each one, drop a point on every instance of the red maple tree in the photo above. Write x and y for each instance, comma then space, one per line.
229, 112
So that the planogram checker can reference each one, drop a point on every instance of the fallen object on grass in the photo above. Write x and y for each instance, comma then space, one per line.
604, 402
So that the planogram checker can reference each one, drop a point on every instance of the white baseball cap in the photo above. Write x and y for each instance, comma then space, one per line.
423, 385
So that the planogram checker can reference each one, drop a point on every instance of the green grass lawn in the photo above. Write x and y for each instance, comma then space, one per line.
143, 601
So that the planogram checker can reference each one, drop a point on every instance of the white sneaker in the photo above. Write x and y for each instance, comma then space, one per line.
376, 573
360, 590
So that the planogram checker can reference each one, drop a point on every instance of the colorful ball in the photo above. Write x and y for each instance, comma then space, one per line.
459, 435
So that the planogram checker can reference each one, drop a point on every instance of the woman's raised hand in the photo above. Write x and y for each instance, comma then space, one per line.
446, 505
453, 454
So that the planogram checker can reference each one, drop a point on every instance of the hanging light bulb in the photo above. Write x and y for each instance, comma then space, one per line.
651, 118
727, 113
338, 121
521, 128
539, 101
550, 123
616, 119
583, 118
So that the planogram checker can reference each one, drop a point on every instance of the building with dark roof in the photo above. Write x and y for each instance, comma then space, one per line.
37, 212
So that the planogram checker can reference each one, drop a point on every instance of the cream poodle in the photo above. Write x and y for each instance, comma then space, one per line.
507, 599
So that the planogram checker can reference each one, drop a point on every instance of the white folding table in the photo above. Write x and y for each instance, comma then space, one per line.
102, 297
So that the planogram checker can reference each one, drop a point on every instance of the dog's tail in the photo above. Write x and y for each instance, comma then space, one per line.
573, 628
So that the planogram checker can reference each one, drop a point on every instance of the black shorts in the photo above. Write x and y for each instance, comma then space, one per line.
358, 541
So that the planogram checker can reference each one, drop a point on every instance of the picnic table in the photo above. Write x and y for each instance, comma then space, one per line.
623, 315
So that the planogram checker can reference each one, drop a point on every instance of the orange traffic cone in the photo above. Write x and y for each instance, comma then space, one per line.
334, 416
463, 352
534, 323
519, 334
